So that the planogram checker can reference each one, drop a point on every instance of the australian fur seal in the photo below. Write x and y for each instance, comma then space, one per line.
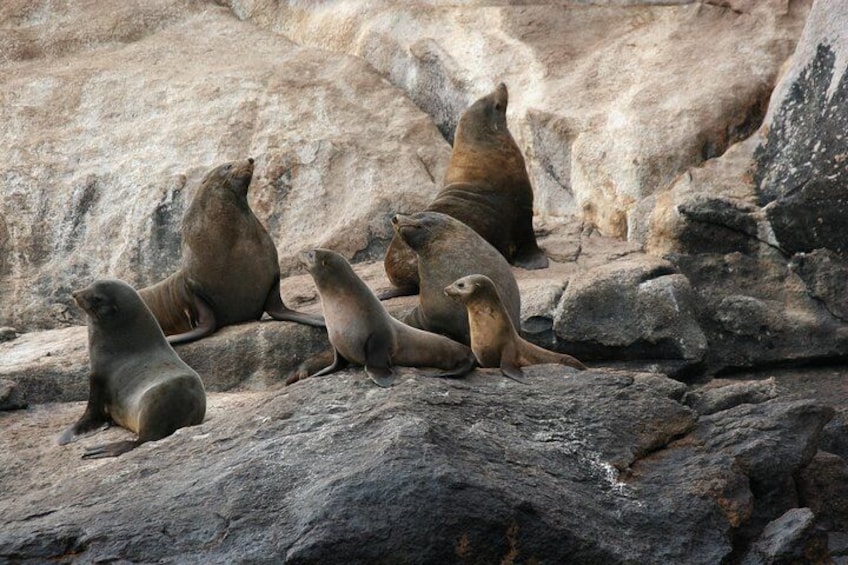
229, 272
447, 249
137, 380
486, 187
494, 340
362, 332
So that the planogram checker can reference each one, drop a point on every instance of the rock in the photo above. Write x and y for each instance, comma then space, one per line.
335, 470
823, 487
825, 274
790, 539
598, 135
105, 132
718, 396
7, 334
636, 308
10, 396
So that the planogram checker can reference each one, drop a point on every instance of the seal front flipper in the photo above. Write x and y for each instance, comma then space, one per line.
205, 323
513, 371
530, 258
94, 417
377, 361
339, 363
110, 449
279, 311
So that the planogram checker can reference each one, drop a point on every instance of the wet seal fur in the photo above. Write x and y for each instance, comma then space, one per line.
230, 272
486, 187
494, 340
137, 380
447, 250
362, 332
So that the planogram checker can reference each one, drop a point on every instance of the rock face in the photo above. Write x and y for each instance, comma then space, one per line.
693, 213
105, 135
334, 470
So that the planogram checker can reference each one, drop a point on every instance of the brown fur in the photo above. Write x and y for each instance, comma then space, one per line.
362, 332
230, 272
137, 380
447, 249
486, 187
494, 339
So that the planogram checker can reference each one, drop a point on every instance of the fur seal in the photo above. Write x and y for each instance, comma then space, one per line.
362, 332
486, 187
230, 272
447, 249
137, 380
494, 341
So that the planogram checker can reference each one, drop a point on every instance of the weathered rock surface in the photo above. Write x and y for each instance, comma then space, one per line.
577, 466
109, 117
603, 99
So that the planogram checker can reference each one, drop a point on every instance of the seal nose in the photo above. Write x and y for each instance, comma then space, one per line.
250, 160
394, 220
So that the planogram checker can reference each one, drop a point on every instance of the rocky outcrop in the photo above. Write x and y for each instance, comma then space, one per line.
576, 466
106, 129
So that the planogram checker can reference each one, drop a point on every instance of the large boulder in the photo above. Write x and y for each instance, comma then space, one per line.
604, 99
574, 467
111, 113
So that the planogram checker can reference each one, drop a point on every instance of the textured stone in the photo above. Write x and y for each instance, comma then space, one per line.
823, 487
335, 470
634, 308
790, 539
719, 395
10, 396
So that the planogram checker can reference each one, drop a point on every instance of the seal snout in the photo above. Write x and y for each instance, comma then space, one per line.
308, 258
250, 160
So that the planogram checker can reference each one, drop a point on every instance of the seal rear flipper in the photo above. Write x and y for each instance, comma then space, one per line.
299, 317
277, 309
205, 323
339, 363
395, 291
530, 258
469, 365
110, 449
513, 371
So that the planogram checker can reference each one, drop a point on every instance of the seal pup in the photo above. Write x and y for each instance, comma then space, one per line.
136, 380
486, 187
230, 272
447, 249
362, 332
494, 340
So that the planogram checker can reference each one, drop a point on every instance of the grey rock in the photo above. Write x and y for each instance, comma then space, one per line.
720, 396
11, 397
7, 334
635, 308
789, 539
823, 487
335, 470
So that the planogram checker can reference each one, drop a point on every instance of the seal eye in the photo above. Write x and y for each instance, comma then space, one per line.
460, 285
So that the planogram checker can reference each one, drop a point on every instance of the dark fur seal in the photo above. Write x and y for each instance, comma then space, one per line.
137, 380
494, 340
486, 187
447, 249
230, 272
362, 332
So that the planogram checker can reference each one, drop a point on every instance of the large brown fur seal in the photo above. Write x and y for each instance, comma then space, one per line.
137, 380
447, 249
362, 332
229, 272
494, 340
486, 187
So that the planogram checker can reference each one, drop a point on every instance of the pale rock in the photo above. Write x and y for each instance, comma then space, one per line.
110, 114
609, 105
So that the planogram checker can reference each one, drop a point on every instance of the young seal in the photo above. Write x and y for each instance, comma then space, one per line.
137, 380
447, 249
494, 341
486, 187
230, 272
362, 332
